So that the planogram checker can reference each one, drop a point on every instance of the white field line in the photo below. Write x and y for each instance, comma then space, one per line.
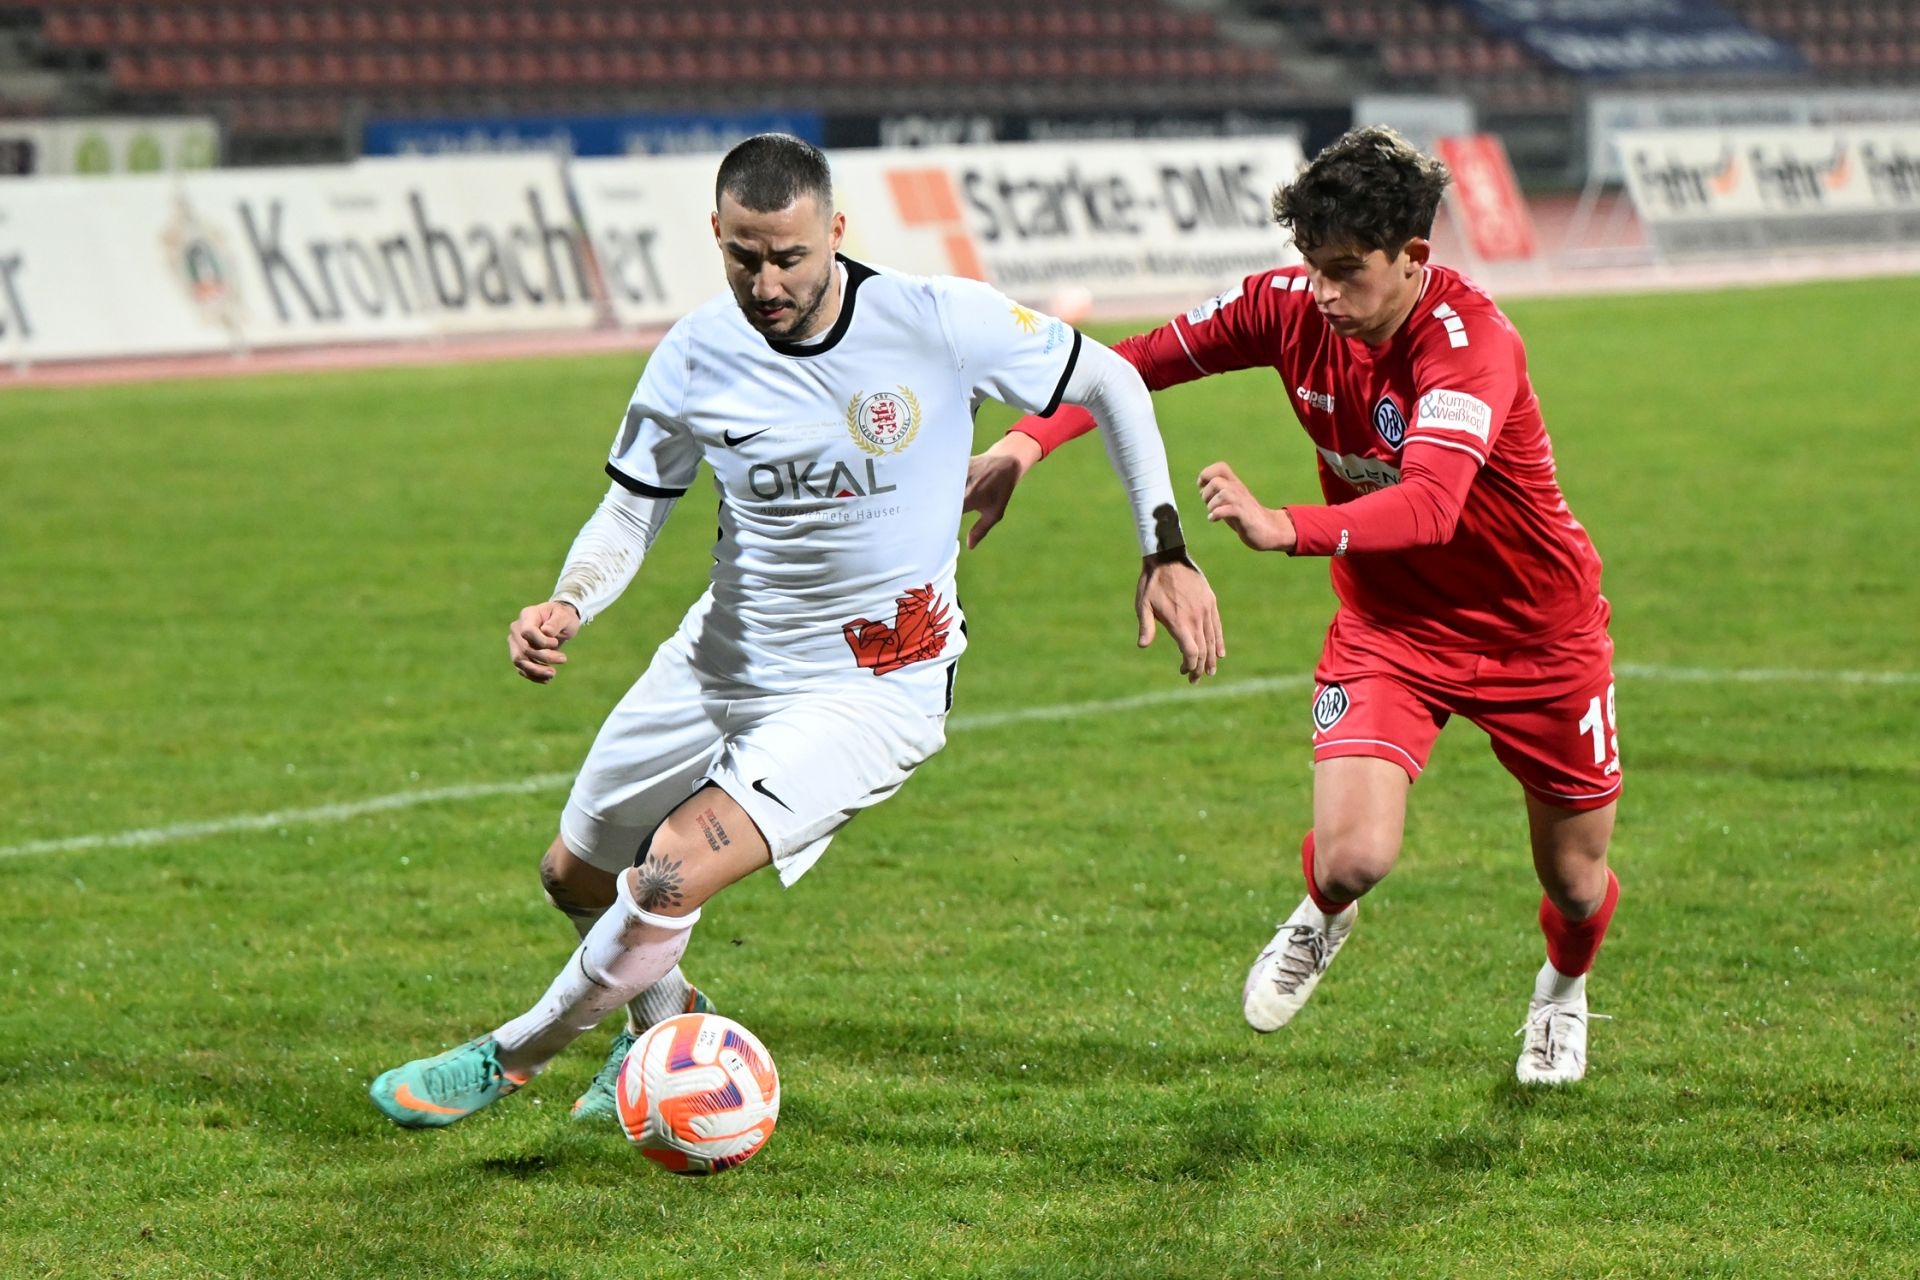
1762, 675
1216, 691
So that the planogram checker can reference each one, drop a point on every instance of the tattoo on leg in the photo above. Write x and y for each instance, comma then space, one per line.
717, 837
659, 884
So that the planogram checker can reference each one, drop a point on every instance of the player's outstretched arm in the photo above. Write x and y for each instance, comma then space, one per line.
1238, 330
602, 561
1172, 591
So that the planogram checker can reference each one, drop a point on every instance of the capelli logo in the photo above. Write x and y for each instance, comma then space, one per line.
1320, 400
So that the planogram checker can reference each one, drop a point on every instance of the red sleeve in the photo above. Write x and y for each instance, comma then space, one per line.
1421, 511
1466, 371
1240, 329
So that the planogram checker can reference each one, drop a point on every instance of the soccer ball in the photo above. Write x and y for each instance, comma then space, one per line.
698, 1094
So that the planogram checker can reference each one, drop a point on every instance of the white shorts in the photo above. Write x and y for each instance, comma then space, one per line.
800, 764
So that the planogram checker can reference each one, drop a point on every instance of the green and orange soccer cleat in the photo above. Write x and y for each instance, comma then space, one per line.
431, 1093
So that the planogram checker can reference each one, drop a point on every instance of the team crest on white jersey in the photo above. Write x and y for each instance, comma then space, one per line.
1389, 422
884, 422
1329, 707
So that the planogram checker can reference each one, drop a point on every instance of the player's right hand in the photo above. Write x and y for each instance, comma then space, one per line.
1228, 499
534, 639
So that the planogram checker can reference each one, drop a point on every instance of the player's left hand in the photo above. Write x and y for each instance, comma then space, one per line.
1173, 590
1228, 499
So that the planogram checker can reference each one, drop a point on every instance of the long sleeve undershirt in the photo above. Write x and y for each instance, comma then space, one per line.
1422, 510
609, 549
1103, 385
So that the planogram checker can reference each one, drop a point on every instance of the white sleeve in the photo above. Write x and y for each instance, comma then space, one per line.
653, 454
609, 549
1003, 350
1111, 389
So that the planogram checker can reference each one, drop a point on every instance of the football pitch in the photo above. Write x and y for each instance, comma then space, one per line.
274, 801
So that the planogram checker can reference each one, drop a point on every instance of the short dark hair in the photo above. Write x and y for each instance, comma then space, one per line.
1370, 188
769, 171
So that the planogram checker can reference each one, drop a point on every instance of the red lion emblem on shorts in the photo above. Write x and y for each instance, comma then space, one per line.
918, 632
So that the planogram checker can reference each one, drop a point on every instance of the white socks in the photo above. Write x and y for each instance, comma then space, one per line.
627, 950
1551, 984
663, 999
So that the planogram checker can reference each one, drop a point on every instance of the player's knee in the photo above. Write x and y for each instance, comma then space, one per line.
1347, 864
574, 886
660, 884
1574, 876
664, 877
1578, 895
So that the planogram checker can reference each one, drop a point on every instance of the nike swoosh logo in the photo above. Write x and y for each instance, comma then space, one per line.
734, 440
760, 785
405, 1097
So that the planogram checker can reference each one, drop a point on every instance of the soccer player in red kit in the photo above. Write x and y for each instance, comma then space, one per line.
1466, 586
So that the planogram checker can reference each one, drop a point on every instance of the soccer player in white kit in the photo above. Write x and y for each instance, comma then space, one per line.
834, 404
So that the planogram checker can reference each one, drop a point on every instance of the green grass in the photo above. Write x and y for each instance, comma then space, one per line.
1005, 1005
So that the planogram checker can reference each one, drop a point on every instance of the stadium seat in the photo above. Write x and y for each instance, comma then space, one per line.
491, 55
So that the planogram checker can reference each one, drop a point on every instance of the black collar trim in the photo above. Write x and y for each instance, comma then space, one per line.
856, 272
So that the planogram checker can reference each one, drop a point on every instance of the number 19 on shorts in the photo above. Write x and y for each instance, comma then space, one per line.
1600, 724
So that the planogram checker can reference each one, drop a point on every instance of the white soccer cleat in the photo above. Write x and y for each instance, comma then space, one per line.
1555, 1051
1289, 969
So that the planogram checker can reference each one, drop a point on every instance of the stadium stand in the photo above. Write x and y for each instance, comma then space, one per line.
1420, 45
1854, 42
286, 69
293, 79
1410, 46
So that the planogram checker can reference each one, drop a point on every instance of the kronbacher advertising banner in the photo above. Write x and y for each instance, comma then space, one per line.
1735, 191
104, 267
265, 257
1128, 220
649, 219
398, 248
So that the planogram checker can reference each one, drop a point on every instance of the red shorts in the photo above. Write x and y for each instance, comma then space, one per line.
1548, 708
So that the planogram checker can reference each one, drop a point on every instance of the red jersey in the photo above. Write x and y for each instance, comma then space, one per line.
1445, 521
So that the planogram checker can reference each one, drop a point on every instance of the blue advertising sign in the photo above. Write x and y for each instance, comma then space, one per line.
616, 135
1635, 37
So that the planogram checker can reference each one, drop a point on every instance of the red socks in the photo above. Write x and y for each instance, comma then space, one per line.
1572, 944
1329, 906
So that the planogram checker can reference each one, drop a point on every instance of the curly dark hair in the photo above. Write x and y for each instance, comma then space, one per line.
769, 171
1370, 188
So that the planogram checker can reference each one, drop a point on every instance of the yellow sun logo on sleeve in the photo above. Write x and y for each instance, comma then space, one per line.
1028, 321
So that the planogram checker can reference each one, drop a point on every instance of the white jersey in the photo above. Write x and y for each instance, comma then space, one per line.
840, 466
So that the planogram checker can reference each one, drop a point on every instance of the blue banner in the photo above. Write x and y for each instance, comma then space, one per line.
1636, 37
618, 135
